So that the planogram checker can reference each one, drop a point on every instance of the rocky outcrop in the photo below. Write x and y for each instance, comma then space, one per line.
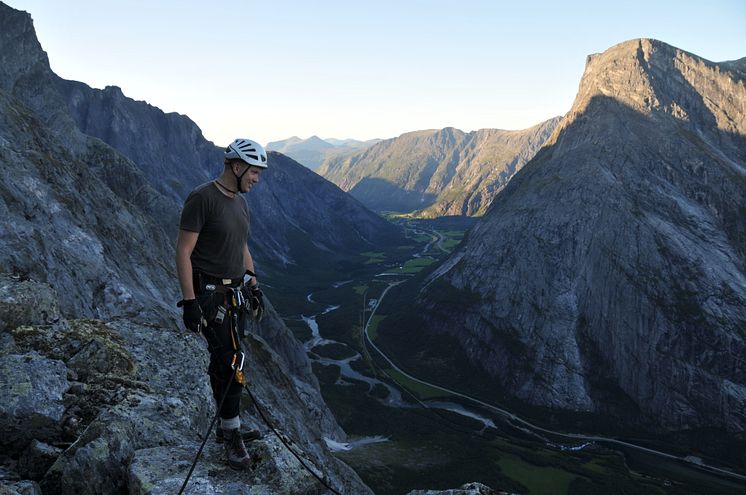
610, 274
113, 394
69, 221
443, 172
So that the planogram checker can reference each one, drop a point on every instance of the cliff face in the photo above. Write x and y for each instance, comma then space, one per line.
610, 274
444, 172
168, 148
76, 213
116, 403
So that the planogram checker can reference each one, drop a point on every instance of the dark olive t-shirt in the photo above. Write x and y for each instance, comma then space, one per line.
223, 226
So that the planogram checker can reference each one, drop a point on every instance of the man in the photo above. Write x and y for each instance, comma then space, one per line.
212, 258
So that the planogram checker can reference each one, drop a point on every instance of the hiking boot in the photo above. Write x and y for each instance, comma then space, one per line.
246, 435
235, 450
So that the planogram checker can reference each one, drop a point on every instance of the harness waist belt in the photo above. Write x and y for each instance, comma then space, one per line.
201, 280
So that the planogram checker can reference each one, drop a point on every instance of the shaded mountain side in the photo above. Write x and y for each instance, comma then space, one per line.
437, 172
78, 214
612, 268
296, 214
302, 216
168, 147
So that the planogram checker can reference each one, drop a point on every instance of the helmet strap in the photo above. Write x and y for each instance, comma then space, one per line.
239, 177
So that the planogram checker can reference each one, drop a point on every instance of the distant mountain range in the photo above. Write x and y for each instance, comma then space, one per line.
436, 172
298, 215
609, 275
312, 152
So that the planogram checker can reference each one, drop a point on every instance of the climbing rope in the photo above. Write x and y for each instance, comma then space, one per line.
207, 434
285, 443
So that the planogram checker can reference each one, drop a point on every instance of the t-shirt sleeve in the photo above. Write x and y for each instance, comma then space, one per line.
194, 213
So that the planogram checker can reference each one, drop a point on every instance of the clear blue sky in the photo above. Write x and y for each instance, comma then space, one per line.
361, 69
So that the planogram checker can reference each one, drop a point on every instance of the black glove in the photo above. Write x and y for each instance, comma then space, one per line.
192, 314
254, 298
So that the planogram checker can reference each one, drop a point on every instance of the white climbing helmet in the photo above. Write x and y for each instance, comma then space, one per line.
247, 150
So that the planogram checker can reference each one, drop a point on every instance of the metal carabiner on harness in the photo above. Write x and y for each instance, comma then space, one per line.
239, 297
237, 366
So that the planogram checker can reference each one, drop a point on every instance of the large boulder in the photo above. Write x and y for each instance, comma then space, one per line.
36, 458
156, 409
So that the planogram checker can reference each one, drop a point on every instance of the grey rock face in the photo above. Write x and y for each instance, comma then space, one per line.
169, 148
445, 172
68, 198
162, 470
610, 274
26, 303
31, 397
143, 387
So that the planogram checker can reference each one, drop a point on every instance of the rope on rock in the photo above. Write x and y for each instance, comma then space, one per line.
285, 443
207, 435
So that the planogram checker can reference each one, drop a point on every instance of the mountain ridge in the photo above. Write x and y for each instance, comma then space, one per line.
614, 261
436, 172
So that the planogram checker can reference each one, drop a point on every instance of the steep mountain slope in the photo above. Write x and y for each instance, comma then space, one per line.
159, 143
610, 274
445, 172
63, 196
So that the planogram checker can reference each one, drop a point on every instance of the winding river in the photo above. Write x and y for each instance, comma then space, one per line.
348, 374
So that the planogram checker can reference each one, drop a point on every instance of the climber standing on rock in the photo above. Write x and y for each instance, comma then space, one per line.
218, 284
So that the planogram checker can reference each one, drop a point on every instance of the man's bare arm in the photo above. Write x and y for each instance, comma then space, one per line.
184, 246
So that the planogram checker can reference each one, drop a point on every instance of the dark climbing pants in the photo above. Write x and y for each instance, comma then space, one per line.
222, 340
220, 345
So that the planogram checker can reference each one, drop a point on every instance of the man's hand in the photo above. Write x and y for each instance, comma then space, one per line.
254, 301
192, 314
